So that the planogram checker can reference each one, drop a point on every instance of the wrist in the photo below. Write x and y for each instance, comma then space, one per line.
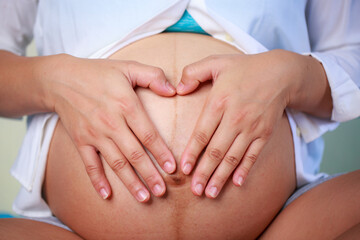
46, 70
309, 90
288, 69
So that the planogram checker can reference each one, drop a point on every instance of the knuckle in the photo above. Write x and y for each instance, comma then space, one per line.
188, 71
133, 186
80, 137
77, 138
238, 118
149, 138
218, 104
268, 130
250, 158
85, 129
219, 180
162, 157
130, 64
254, 125
149, 179
204, 177
218, 61
191, 157
212, 58
118, 164
92, 170
157, 73
201, 137
245, 169
126, 105
135, 156
109, 121
92, 133
96, 183
231, 160
215, 154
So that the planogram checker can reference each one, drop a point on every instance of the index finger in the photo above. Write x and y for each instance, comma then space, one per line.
205, 127
145, 131
194, 74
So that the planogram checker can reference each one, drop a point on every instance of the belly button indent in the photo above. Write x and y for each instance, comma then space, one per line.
176, 179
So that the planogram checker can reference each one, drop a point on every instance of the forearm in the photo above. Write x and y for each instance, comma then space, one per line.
22, 92
310, 91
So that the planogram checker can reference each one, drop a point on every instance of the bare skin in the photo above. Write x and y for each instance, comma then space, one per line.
100, 110
91, 97
238, 213
20, 229
237, 126
324, 212
352, 233
328, 211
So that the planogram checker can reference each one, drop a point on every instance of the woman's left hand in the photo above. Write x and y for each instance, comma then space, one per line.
248, 97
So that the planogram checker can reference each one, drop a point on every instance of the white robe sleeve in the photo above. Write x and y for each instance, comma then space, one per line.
334, 32
17, 18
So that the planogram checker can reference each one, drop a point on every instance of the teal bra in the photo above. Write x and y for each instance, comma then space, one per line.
186, 24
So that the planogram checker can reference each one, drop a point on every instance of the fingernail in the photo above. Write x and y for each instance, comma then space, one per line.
170, 87
213, 192
104, 194
168, 167
157, 190
187, 168
180, 87
240, 181
199, 189
141, 195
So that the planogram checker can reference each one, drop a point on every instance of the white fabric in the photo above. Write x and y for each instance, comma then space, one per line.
326, 29
29, 201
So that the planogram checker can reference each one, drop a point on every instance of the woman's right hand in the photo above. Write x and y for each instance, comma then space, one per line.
101, 112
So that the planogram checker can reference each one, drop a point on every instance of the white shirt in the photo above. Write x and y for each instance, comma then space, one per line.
329, 30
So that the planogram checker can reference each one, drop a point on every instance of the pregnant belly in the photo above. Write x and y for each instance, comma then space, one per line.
238, 212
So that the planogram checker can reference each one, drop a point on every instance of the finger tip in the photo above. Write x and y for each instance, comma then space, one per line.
169, 88
197, 189
169, 166
104, 193
173, 171
164, 92
186, 169
182, 91
209, 196
145, 200
163, 193
181, 88
171, 92
195, 193
239, 180
160, 194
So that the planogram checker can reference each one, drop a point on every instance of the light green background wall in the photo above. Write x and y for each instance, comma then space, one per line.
342, 151
342, 148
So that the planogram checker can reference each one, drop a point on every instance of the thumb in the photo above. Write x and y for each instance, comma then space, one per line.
194, 74
150, 77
